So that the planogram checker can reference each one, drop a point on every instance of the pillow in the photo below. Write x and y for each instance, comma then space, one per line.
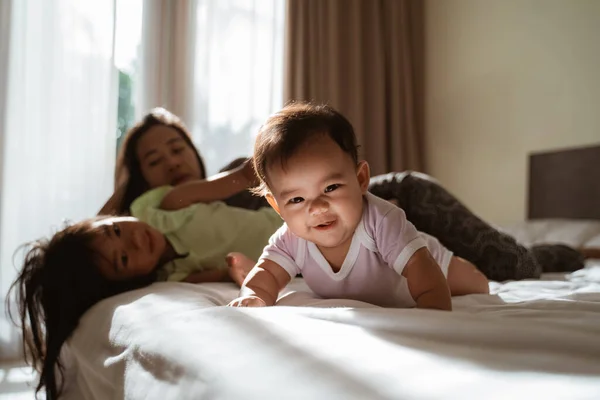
576, 233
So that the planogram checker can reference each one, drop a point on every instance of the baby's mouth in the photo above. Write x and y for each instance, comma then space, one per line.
325, 225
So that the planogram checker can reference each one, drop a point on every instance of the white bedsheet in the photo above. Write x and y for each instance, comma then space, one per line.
529, 339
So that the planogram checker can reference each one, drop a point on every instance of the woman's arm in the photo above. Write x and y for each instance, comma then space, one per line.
218, 187
111, 207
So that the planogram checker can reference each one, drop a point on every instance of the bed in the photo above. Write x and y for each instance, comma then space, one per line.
527, 339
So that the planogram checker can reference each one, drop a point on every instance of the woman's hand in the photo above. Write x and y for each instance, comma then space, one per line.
111, 207
248, 301
121, 179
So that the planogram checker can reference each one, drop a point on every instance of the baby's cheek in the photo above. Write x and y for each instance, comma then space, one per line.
296, 223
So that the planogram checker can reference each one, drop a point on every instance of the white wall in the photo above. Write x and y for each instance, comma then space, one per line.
505, 78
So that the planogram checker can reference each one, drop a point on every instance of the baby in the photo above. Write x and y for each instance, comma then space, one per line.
345, 242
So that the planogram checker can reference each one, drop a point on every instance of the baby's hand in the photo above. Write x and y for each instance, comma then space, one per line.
248, 301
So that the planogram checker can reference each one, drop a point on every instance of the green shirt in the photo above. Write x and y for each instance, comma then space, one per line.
205, 233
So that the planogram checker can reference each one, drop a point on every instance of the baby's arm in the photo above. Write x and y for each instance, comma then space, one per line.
262, 285
426, 282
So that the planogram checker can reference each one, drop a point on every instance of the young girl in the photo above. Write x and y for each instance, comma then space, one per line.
97, 258
347, 243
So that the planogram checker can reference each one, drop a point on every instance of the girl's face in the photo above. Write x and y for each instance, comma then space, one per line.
165, 158
127, 247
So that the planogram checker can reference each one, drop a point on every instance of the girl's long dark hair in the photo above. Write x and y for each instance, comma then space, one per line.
58, 283
127, 160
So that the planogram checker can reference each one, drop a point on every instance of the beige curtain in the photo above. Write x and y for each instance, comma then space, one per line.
168, 45
217, 64
365, 58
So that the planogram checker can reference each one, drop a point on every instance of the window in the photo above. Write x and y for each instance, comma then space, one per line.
217, 64
128, 36
238, 75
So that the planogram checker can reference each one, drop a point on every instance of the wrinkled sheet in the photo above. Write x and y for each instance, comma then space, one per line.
528, 339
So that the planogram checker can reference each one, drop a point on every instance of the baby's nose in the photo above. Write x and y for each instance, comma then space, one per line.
319, 206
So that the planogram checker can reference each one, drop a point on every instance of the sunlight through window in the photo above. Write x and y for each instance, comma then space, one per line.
128, 35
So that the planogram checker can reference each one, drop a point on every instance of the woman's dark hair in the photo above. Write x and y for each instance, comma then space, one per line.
58, 283
128, 163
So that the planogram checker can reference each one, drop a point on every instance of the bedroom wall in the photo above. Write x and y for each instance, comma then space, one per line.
505, 78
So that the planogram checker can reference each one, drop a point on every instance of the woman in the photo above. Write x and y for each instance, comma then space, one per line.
158, 151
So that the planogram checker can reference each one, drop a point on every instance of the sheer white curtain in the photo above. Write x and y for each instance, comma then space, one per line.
57, 125
218, 64
238, 78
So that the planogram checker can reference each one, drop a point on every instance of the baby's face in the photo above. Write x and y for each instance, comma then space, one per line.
128, 247
319, 193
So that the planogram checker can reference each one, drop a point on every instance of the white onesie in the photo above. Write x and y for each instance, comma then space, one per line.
382, 244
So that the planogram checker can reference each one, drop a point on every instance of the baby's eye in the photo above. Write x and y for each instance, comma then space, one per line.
331, 188
117, 230
296, 200
178, 150
124, 260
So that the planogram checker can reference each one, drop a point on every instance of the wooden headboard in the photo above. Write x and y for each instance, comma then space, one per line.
565, 184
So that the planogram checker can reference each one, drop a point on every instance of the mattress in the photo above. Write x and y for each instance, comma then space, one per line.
528, 339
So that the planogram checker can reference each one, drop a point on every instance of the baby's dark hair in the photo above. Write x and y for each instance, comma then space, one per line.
58, 283
286, 131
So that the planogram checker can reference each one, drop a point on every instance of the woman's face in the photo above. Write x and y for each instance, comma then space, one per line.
165, 158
